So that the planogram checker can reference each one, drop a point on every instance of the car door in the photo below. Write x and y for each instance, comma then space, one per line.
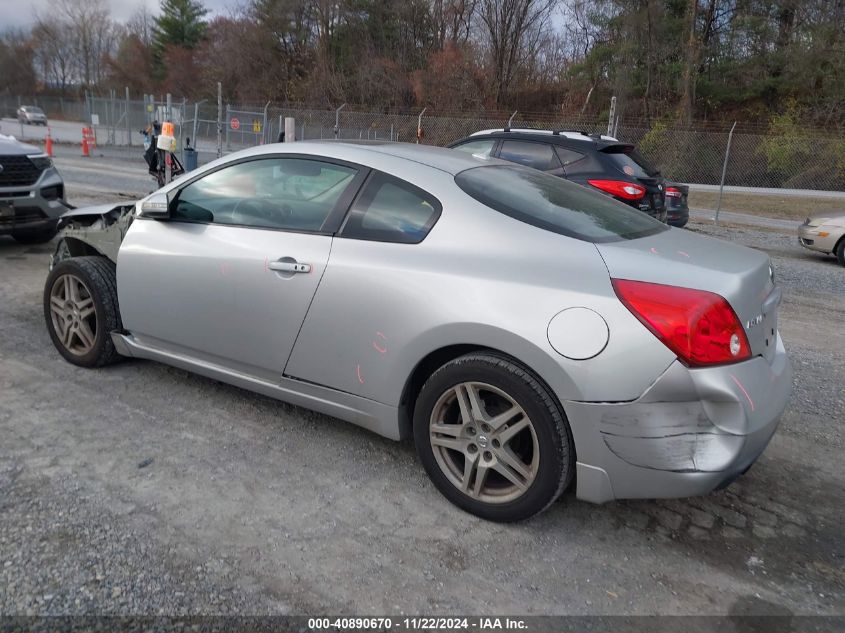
228, 277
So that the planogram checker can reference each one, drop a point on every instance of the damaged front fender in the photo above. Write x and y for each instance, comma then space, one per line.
97, 230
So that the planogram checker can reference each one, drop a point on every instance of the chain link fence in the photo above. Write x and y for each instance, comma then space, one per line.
802, 159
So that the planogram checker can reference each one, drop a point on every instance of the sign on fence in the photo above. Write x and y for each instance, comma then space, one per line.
234, 123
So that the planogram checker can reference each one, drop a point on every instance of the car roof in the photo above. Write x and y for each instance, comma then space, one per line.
559, 137
379, 154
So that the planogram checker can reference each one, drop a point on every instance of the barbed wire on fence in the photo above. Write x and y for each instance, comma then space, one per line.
804, 159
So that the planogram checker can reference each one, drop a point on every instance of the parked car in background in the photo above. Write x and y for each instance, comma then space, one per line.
677, 205
599, 162
519, 328
31, 192
825, 233
32, 115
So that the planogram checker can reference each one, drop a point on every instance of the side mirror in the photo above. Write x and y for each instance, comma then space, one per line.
157, 206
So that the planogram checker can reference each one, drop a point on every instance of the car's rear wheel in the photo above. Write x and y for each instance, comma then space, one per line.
492, 438
80, 307
35, 237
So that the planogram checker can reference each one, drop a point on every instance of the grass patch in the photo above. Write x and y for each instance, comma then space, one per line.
770, 206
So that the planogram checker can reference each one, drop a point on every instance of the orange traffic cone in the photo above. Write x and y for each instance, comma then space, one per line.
48, 144
85, 150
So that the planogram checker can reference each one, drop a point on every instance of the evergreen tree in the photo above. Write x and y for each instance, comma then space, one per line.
180, 26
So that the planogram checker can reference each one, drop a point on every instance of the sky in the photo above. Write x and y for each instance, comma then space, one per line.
16, 14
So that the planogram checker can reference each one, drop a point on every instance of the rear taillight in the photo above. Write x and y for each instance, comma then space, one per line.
673, 192
699, 326
621, 188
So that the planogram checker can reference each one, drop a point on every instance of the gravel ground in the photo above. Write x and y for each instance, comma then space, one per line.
142, 489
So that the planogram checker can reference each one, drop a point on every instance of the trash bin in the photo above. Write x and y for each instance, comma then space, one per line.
190, 159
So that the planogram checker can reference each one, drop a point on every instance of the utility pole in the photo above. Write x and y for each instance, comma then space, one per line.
219, 120
724, 171
128, 122
612, 116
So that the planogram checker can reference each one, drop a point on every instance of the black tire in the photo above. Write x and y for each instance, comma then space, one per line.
99, 279
35, 237
840, 251
556, 465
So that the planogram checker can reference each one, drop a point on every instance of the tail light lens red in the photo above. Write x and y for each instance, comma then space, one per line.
621, 188
699, 326
673, 192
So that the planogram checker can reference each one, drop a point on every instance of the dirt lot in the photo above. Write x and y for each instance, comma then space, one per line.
141, 489
780, 207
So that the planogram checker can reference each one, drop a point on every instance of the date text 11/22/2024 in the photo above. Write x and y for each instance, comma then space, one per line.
417, 624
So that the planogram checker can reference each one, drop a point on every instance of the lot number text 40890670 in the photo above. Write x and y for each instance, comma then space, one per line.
480, 624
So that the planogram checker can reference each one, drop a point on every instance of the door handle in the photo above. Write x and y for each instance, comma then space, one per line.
289, 267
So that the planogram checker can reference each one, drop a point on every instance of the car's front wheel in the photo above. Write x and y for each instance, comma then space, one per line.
492, 438
80, 307
840, 252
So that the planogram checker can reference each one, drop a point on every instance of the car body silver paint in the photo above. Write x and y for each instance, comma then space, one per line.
222, 297
479, 278
681, 258
469, 282
691, 431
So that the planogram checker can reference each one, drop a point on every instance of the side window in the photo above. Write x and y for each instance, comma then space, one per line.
482, 148
391, 210
537, 155
568, 156
272, 193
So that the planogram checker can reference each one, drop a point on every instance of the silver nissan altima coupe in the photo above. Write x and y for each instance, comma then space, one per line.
524, 331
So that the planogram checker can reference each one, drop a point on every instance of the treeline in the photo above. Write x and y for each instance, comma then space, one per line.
670, 60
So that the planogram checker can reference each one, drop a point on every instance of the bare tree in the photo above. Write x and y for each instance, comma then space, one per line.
452, 21
141, 24
93, 34
54, 52
511, 32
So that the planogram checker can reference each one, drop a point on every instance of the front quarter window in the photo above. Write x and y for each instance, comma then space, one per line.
555, 204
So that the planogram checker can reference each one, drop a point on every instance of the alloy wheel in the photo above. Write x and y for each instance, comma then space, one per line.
484, 442
73, 315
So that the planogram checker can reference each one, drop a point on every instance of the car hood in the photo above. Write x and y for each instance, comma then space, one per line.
832, 218
679, 257
10, 146
97, 209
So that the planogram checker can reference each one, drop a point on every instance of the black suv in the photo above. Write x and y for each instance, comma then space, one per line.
596, 161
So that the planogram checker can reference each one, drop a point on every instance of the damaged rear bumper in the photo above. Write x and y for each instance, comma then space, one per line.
692, 431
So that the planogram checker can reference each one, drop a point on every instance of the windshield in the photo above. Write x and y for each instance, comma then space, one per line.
631, 162
555, 204
34, 110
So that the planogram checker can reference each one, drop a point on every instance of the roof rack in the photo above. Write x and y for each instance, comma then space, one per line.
561, 131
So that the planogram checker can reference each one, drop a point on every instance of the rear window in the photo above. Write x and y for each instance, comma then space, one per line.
555, 204
629, 161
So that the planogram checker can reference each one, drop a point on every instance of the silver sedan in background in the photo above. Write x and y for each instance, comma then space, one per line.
524, 331
825, 233
31, 115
